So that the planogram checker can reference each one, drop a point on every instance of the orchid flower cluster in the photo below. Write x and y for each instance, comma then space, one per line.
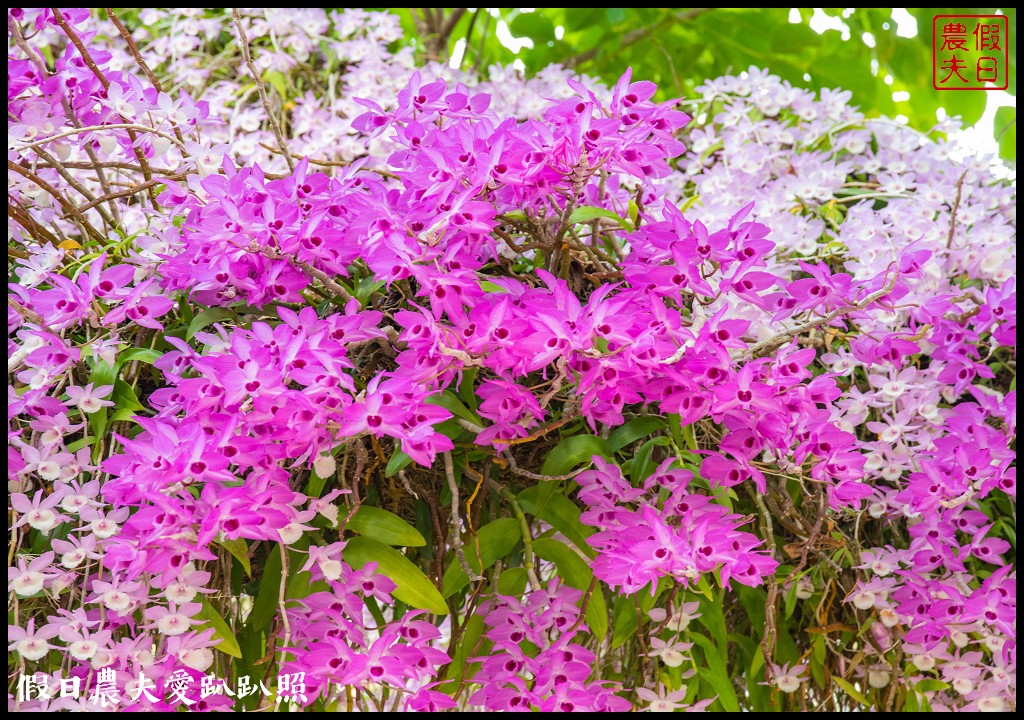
534, 663
556, 342
684, 537
920, 378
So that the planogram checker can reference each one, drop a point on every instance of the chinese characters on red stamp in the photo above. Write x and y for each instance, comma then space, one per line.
970, 52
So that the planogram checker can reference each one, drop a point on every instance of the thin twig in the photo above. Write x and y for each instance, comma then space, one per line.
451, 21
66, 205
282, 600
83, 165
567, 416
91, 64
93, 128
449, 471
23, 218
583, 607
258, 79
779, 340
134, 49
128, 192
31, 315
83, 191
811, 539
320, 275
956, 206
405, 484
516, 470
331, 163
96, 165
469, 33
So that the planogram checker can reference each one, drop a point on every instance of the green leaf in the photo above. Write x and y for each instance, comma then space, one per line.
207, 317
911, 704
559, 512
587, 213
1006, 132
641, 465
704, 588
759, 695
573, 451
633, 210
793, 38
634, 430
968, 105
367, 287
818, 653
448, 400
316, 484
488, 286
851, 691
534, 25
388, 528
413, 587
221, 631
791, 600
265, 605
471, 645
495, 540
239, 550
277, 81
691, 201
713, 618
145, 355
467, 388
397, 462
301, 584
624, 621
717, 673
126, 404
574, 571
102, 374
931, 685
757, 662
512, 582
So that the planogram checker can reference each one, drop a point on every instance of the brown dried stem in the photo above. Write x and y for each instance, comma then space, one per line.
134, 49
67, 206
91, 64
258, 79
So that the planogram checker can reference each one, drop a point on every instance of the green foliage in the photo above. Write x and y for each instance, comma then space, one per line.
559, 512
221, 630
412, 586
493, 541
679, 48
385, 527
574, 450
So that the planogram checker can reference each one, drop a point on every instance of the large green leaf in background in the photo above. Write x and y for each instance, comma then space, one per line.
678, 48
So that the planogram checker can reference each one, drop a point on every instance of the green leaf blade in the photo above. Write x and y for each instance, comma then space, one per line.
412, 586
385, 527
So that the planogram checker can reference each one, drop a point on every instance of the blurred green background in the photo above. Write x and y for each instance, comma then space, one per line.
882, 55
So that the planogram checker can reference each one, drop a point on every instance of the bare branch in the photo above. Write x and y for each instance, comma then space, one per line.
449, 471
639, 34
91, 64
956, 206
258, 79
